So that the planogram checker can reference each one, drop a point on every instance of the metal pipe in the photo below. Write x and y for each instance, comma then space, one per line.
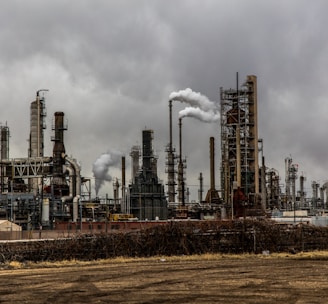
77, 193
34, 160
123, 185
77, 169
71, 177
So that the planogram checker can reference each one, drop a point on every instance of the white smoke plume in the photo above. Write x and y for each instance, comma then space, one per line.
201, 107
194, 99
101, 166
199, 114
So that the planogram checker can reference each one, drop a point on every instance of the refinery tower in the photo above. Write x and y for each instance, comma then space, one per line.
239, 141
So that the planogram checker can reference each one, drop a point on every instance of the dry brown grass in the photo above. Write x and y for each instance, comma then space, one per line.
313, 255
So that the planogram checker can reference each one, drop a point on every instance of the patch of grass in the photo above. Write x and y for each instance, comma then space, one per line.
313, 255
15, 265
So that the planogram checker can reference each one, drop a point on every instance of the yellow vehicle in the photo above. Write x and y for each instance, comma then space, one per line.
120, 217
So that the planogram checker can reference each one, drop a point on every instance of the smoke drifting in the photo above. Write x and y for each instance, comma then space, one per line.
201, 107
101, 166
194, 99
201, 115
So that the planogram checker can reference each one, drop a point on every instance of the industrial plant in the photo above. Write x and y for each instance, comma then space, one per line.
45, 191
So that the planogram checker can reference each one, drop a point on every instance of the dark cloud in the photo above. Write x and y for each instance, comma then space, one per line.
110, 67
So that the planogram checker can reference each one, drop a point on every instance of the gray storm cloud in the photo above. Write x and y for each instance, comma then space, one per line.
101, 167
70, 50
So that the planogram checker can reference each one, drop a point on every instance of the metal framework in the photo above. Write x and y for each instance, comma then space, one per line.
239, 140
30, 167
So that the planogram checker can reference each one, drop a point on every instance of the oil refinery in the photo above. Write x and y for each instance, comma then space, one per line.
40, 191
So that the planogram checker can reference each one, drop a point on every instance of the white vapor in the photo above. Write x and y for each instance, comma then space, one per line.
199, 114
201, 107
194, 99
101, 166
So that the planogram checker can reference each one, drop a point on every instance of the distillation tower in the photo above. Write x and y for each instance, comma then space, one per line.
290, 181
147, 195
37, 190
239, 141
36, 140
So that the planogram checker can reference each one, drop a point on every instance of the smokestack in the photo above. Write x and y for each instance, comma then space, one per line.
170, 114
212, 174
200, 192
59, 148
123, 204
123, 176
116, 187
170, 161
302, 193
212, 195
180, 169
180, 138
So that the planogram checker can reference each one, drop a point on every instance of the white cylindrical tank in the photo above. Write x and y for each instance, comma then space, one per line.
45, 211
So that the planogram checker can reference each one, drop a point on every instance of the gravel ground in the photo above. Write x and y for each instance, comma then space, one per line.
249, 279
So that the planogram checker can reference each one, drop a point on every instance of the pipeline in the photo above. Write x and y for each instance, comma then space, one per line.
77, 193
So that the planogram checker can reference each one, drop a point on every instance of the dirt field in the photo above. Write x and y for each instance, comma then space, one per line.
215, 279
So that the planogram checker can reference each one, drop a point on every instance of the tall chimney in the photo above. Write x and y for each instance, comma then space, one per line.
170, 161
212, 195
123, 179
181, 168
200, 191
59, 148
212, 169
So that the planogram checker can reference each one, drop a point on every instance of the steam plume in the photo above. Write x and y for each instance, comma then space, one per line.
101, 166
194, 99
199, 114
200, 108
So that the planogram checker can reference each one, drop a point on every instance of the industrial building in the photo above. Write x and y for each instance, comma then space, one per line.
146, 192
39, 190
45, 191
248, 187
239, 143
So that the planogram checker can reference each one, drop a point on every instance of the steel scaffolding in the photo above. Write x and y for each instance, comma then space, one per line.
239, 140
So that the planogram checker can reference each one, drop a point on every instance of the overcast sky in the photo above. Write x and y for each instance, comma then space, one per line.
110, 66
